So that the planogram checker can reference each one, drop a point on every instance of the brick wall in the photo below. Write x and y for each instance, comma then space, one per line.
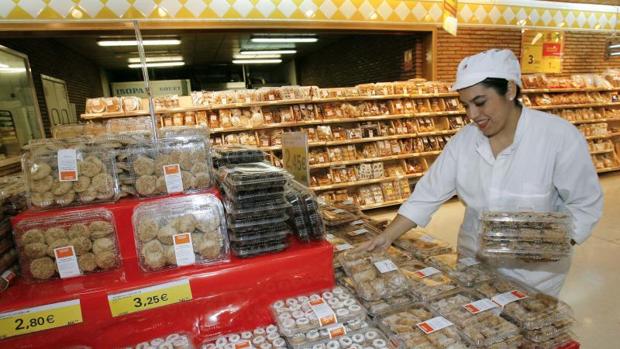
361, 59
50, 58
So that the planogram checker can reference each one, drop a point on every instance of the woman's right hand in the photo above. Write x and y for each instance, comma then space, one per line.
379, 243
394, 230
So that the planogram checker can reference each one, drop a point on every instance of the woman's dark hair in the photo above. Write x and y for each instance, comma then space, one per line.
501, 87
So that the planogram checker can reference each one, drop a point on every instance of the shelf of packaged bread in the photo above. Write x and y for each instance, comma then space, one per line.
593, 121
256, 104
365, 182
96, 116
608, 169
382, 97
382, 204
560, 90
337, 121
601, 151
377, 159
573, 106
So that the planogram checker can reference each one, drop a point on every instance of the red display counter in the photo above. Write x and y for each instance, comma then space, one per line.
227, 297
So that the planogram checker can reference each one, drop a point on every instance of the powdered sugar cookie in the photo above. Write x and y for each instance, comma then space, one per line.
42, 268
145, 185
42, 200
99, 229
61, 188
53, 234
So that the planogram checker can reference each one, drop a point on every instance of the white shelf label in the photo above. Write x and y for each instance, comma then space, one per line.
506, 298
469, 261
481, 305
173, 178
323, 312
183, 249
66, 261
357, 222
357, 232
67, 165
343, 247
422, 273
386, 266
434, 324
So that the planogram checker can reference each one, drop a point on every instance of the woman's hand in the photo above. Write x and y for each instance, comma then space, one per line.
393, 231
377, 244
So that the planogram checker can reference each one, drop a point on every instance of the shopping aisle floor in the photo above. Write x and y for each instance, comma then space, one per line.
594, 279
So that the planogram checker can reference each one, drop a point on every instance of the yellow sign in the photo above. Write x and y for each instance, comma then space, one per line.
40, 318
295, 155
149, 297
542, 51
450, 21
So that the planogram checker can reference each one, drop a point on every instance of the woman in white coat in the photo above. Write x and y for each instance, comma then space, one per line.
510, 158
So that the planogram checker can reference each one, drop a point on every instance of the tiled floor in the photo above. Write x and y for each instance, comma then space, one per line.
593, 284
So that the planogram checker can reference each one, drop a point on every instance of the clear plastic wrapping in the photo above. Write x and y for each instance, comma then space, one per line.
322, 336
554, 343
549, 332
374, 276
304, 214
403, 324
256, 249
336, 216
236, 154
356, 233
180, 231
467, 271
315, 311
179, 340
260, 337
427, 287
83, 242
251, 176
422, 245
367, 337
481, 329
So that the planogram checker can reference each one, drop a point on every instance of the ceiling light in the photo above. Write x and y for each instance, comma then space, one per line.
3, 65
615, 53
157, 59
150, 42
247, 56
256, 61
158, 65
613, 46
283, 39
268, 52
12, 70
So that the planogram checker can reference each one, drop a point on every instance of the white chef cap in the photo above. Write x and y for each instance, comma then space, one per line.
494, 63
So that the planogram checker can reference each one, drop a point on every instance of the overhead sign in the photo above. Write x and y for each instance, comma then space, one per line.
542, 51
158, 88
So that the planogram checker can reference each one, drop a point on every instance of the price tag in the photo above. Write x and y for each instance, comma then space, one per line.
506, 298
427, 238
183, 249
357, 232
422, 273
434, 324
385, 266
40, 318
295, 155
336, 331
357, 222
343, 247
172, 176
67, 165
243, 345
481, 305
323, 312
149, 297
469, 261
66, 261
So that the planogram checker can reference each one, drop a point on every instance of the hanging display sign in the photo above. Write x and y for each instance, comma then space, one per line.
542, 51
450, 21
158, 88
295, 155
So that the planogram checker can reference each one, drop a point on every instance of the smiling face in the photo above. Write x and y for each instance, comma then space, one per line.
489, 110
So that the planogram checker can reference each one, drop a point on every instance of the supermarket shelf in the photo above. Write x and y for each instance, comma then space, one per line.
609, 169
102, 116
383, 204
609, 135
573, 106
365, 182
594, 121
371, 98
560, 90
601, 151
383, 158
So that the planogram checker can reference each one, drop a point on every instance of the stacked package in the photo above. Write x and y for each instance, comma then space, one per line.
256, 208
537, 236
467, 272
304, 214
421, 245
428, 283
260, 337
13, 196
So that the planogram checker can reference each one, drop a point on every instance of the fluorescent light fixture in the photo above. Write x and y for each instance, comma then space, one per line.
3, 65
240, 56
615, 53
283, 39
148, 42
256, 61
158, 65
536, 38
268, 52
12, 70
157, 59
613, 46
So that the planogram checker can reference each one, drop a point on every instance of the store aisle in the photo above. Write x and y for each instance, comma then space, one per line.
594, 278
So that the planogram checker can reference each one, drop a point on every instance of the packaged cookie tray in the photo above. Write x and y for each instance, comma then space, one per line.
524, 250
482, 329
161, 231
247, 222
318, 336
561, 236
270, 239
536, 311
260, 337
557, 342
466, 272
367, 338
402, 324
304, 213
421, 245
248, 239
398, 256
374, 276
253, 196
336, 216
429, 287
384, 306
296, 315
276, 206
526, 217
259, 249
92, 180
91, 234
308, 228
240, 175
550, 332
236, 154
179, 340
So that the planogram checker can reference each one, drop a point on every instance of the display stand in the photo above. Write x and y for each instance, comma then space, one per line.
227, 297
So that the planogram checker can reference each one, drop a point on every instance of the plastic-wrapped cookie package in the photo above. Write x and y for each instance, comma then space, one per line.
540, 236
355, 232
403, 323
528, 309
179, 340
365, 338
67, 244
171, 165
69, 176
480, 327
12, 195
180, 231
422, 245
467, 272
336, 216
251, 176
554, 343
374, 276
260, 337
321, 336
298, 315
304, 214
428, 283
236, 154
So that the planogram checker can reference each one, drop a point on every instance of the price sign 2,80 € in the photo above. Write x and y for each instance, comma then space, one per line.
40, 318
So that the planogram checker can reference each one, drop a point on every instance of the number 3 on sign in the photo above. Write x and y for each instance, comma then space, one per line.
149, 297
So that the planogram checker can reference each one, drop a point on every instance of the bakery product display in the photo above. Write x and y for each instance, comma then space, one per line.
427, 284
304, 213
260, 337
467, 272
421, 245
178, 340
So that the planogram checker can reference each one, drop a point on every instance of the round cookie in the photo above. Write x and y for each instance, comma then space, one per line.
146, 185
188, 180
102, 245
61, 188
185, 223
165, 234
97, 161
88, 196
186, 161
151, 247
106, 195
175, 156
56, 244
82, 184
209, 249
170, 256
81, 245
102, 182
99, 229
43, 185
87, 262
40, 170
42, 200
160, 185
197, 241
199, 167
32, 236
209, 223
42, 268
35, 250
89, 168
53, 234
161, 161
78, 230
147, 230
143, 166
106, 260
155, 260
65, 199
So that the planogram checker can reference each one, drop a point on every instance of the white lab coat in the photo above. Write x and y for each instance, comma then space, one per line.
547, 168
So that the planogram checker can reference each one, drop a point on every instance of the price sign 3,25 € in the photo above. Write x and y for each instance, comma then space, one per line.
149, 297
